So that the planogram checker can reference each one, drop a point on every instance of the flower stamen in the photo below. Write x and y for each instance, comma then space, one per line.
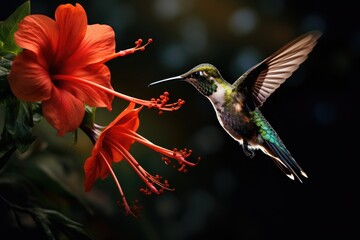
122, 195
179, 155
122, 53
159, 103
147, 178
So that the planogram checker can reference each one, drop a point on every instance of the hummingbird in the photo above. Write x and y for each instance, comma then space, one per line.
237, 105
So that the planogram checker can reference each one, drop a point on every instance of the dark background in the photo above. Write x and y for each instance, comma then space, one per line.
227, 195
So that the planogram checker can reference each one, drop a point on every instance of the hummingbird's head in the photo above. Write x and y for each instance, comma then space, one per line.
204, 77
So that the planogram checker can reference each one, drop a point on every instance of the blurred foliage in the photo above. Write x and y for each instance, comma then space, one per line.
30, 188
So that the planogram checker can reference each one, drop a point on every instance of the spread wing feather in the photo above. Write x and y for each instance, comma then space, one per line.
264, 78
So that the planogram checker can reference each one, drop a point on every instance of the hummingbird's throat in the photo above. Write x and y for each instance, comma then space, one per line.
206, 87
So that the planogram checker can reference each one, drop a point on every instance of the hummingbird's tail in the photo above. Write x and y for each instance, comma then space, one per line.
283, 159
275, 148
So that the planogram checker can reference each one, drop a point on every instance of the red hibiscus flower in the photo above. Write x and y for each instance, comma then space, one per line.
112, 144
62, 65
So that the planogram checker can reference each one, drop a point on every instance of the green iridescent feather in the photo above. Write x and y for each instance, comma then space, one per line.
265, 129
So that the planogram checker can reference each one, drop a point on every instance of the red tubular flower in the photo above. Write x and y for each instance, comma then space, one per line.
112, 144
62, 65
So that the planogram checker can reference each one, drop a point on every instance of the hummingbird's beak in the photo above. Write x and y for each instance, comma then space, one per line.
166, 80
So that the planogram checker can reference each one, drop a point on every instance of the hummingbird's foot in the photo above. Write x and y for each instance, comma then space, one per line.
247, 150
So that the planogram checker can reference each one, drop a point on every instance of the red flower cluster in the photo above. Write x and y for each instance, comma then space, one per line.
62, 65
112, 144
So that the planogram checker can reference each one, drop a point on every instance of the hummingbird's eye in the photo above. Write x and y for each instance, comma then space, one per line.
197, 75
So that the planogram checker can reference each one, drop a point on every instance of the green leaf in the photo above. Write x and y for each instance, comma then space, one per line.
8, 28
50, 221
58, 221
54, 170
19, 121
36, 112
8, 47
5, 65
42, 188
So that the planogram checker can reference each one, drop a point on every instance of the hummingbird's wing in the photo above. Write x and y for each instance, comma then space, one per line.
263, 79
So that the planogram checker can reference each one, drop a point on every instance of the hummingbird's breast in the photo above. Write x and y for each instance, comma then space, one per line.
234, 117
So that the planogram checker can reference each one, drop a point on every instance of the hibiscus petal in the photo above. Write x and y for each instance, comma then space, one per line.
72, 23
97, 73
91, 170
39, 34
129, 122
28, 80
127, 110
94, 164
113, 135
119, 120
109, 148
97, 45
103, 167
63, 111
95, 167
